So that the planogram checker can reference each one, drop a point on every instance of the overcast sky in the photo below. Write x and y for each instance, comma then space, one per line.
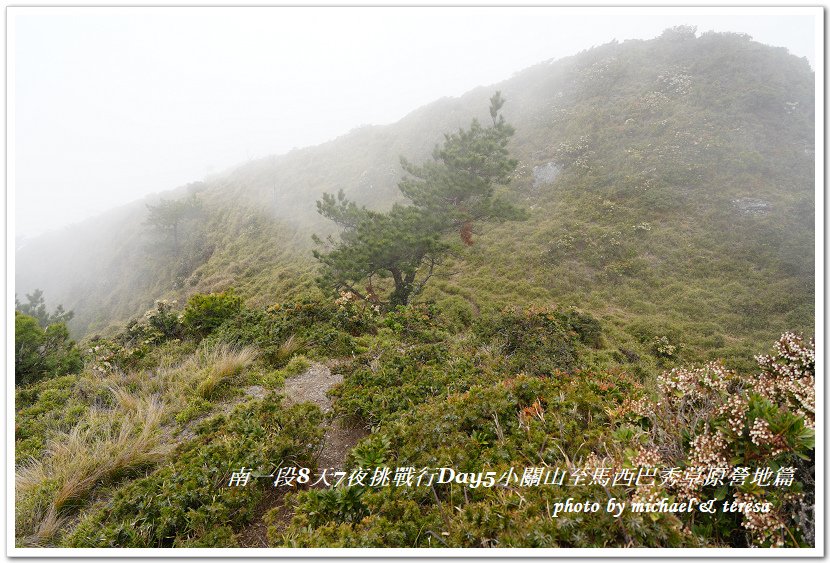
112, 104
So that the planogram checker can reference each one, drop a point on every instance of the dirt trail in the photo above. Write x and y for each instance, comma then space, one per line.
308, 387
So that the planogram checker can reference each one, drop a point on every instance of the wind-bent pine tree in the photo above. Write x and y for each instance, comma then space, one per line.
448, 194
168, 215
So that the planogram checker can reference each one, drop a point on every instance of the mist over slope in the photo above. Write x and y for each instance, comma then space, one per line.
669, 182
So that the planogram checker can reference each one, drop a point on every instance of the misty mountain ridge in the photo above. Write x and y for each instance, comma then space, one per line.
669, 182
647, 301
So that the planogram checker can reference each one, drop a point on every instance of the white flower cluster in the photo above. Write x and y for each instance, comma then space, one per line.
794, 357
708, 449
345, 298
675, 81
695, 383
735, 411
762, 436
641, 407
789, 374
574, 153
762, 525
598, 69
647, 458
654, 100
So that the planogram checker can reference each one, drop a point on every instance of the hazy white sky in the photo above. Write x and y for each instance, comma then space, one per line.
111, 104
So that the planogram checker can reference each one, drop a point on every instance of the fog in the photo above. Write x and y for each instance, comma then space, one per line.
109, 105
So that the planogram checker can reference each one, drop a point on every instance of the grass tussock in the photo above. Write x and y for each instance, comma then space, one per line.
221, 363
108, 444
127, 423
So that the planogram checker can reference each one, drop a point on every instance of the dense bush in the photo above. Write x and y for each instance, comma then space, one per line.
165, 320
716, 417
309, 327
538, 340
205, 313
41, 353
525, 421
389, 379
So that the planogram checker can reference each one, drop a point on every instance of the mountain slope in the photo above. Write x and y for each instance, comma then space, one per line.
670, 185
669, 191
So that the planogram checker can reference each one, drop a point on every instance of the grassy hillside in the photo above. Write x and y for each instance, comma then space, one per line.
669, 186
669, 179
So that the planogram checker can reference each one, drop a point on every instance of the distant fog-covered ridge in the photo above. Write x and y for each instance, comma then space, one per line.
668, 133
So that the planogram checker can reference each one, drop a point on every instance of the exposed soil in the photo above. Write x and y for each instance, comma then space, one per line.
308, 387
311, 386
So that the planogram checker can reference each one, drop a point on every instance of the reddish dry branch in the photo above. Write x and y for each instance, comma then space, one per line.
467, 233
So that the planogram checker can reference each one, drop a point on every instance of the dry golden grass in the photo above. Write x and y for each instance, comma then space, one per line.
288, 348
133, 428
105, 445
221, 363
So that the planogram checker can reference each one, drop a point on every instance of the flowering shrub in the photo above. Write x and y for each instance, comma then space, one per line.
576, 154
353, 315
748, 423
164, 319
675, 80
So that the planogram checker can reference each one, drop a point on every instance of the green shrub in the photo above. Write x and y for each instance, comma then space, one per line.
195, 408
41, 353
536, 340
165, 320
524, 421
419, 322
387, 380
307, 327
205, 313
296, 365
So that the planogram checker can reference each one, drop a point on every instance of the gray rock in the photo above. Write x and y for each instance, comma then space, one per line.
751, 206
545, 174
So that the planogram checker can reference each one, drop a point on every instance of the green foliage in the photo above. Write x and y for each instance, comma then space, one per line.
189, 502
379, 245
371, 452
333, 505
296, 365
45, 408
305, 327
197, 407
421, 358
41, 353
406, 243
205, 313
165, 320
489, 426
458, 185
418, 323
169, 215
35, 306
388, 379
538, 340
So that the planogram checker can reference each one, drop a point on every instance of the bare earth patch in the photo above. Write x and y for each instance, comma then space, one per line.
310, 386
